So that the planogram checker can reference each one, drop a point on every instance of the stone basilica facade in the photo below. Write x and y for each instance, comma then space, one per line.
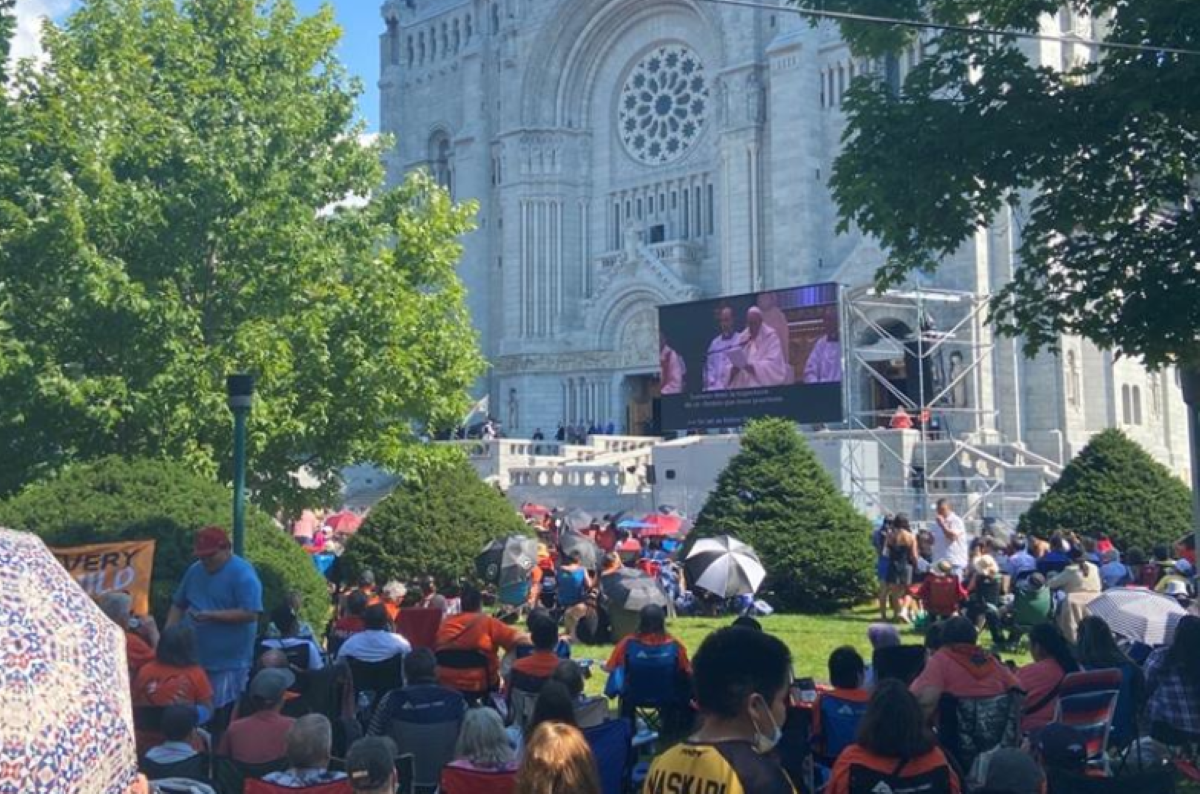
631, 153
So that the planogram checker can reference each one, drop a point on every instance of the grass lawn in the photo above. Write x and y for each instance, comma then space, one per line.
811, 638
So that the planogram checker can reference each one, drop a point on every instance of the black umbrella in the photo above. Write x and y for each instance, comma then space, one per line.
631, 589
508, 560
589, 553
577, 519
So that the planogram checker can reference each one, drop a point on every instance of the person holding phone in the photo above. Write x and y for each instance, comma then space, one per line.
220, 597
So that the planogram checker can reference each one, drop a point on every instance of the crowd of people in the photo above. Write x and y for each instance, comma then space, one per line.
434, 692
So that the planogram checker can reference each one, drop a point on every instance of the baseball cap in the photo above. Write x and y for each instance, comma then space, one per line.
1184, 568
1014, 772
371, 762
269, 685
209, 541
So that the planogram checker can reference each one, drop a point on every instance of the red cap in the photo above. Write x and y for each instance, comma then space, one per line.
209, 541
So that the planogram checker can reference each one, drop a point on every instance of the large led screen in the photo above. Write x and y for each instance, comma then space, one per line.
726, 361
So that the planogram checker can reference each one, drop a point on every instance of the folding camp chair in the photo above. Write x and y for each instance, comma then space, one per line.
475, 781
1087, 702
970, 727
612, 745
651, 682
835, 728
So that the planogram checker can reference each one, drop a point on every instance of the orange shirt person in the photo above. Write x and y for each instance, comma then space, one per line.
652, 630
173, 678
474, 631
895, 744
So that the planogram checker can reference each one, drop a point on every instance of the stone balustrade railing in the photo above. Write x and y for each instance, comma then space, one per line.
608, 478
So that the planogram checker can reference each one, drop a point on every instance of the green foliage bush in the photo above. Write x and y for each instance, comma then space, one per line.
142, 499
1114, 486
776, 496
434, 524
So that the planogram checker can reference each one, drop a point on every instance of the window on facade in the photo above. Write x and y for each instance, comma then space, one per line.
457, 36
433, 48
696, 206
822, 89
495, 18
393, 35
470, 28
711, 212
440, 165
1126, 405
1137, 405
639, 209
411, 52
687, 214
662, 202
616, 226
628, 209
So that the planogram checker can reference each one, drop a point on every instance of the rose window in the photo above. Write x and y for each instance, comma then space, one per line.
663, 105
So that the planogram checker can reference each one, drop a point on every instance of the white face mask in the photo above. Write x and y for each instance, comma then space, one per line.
763, 743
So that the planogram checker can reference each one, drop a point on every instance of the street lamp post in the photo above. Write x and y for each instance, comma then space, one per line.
1189, 379
240, 390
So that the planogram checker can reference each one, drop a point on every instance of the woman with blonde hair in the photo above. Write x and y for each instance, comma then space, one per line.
557, 760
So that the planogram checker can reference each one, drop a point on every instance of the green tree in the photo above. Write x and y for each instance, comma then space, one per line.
114, 499
435, 524
1114, 486
172, 220
776, 496
1100, 161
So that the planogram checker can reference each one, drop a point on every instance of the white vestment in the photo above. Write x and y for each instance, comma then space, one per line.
673, 370
717, 368
764, 353
824, 362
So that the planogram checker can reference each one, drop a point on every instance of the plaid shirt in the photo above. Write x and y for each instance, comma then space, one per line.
1173, 699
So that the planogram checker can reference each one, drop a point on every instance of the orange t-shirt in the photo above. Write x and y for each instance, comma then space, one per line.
158, 684
393, 611
857, 756
138, 653
474, 631
617, 659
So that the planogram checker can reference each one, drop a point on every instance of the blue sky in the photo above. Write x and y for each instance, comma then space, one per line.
359, 50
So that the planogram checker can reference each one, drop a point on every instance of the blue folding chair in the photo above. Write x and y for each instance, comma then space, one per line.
836, 729
612, 745
652, 682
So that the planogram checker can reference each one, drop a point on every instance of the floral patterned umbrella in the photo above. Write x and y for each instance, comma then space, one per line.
66, 723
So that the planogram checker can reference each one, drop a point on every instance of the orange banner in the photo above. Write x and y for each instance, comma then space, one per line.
104, 567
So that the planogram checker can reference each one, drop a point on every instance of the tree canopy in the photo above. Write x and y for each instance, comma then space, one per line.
1115, 487
1099, 160
176, 213
777, 497
434, 524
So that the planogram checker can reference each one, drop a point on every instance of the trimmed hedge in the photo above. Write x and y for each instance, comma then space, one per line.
776, 496
116, 499
434, 525
1114, 486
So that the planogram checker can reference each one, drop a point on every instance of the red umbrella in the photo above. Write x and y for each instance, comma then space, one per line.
344, 523
530, 510
660, 526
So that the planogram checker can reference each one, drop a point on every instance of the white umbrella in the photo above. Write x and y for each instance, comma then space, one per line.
1138, 614
725, 567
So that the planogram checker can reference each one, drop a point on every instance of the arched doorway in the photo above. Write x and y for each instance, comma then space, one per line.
638, 345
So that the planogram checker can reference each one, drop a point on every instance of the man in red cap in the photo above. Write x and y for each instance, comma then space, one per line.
220, 596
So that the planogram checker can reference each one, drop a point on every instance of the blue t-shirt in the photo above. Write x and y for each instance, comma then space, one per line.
222, 646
